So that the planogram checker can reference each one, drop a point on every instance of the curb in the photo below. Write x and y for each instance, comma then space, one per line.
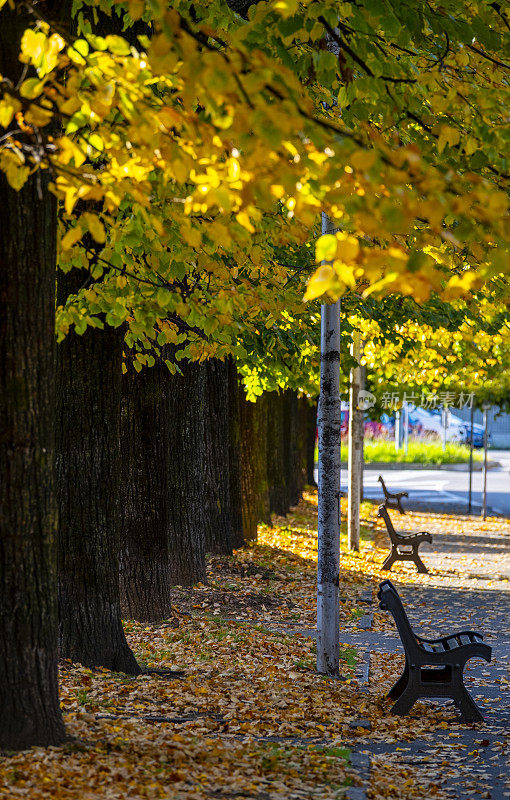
392, 465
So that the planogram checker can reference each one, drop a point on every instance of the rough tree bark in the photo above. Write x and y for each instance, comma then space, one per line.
328, 423
234, 454
248, 488
28, 617
303, 417
291, 433
311, 432
355, 450
219, 532
186, 523
260, 416
146, 431
255, 494
89, 371
277, 455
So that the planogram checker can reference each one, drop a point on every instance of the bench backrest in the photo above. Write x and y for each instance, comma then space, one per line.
381, 480
383, 512
390, 601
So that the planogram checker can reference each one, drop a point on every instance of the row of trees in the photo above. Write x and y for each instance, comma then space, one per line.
115, 483
173, 159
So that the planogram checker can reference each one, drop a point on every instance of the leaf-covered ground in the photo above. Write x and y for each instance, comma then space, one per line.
249, 717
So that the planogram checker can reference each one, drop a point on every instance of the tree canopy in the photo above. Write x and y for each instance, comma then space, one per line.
191, 163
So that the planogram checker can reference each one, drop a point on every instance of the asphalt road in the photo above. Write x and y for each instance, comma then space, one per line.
445, 489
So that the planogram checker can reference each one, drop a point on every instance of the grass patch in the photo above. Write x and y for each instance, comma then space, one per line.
418, 452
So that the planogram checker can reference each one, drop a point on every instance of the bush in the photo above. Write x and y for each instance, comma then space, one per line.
418, 452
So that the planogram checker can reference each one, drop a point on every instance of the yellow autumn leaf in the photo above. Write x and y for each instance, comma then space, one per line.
31, 88
325, 248
244, 220
69, 151
9, 106
32, 47
347, 247
136, 8
95, 226
14, 168
345, 272
72, 236
363, 159
382, 284
53, 47
40, 50
470, 145
277, 190
37, 116
320, 282
286, 7
191, 236
447, 136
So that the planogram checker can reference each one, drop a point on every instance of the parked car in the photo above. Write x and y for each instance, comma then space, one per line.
478, 431
458, 430
426, 422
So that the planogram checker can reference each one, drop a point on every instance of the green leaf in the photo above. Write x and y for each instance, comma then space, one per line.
31, 88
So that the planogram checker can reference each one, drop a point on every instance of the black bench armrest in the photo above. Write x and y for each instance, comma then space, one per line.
443, 639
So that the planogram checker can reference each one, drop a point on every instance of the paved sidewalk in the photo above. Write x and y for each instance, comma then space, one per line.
441, 489
472, 761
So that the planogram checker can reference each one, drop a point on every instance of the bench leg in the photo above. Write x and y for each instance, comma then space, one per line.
405, 702
400, 507
397, 689
419, 563
469, 711
390, 560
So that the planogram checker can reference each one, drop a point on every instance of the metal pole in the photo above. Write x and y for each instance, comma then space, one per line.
355, 448
397, 430
471, 460
406, 426
363, 372
445, 424
328, 420
484, 507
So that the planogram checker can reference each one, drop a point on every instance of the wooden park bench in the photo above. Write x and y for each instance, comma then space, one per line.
433, 667
401, 540
392, 499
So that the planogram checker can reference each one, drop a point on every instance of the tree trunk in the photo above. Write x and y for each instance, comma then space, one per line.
260, 417
355, 450
248, 485
292, 447
28, 617
186, 524
363, 378
328, 423
89, 370
234, 454
254, 464
303, 415
277, 455
217, 503
311, 435
146, 431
